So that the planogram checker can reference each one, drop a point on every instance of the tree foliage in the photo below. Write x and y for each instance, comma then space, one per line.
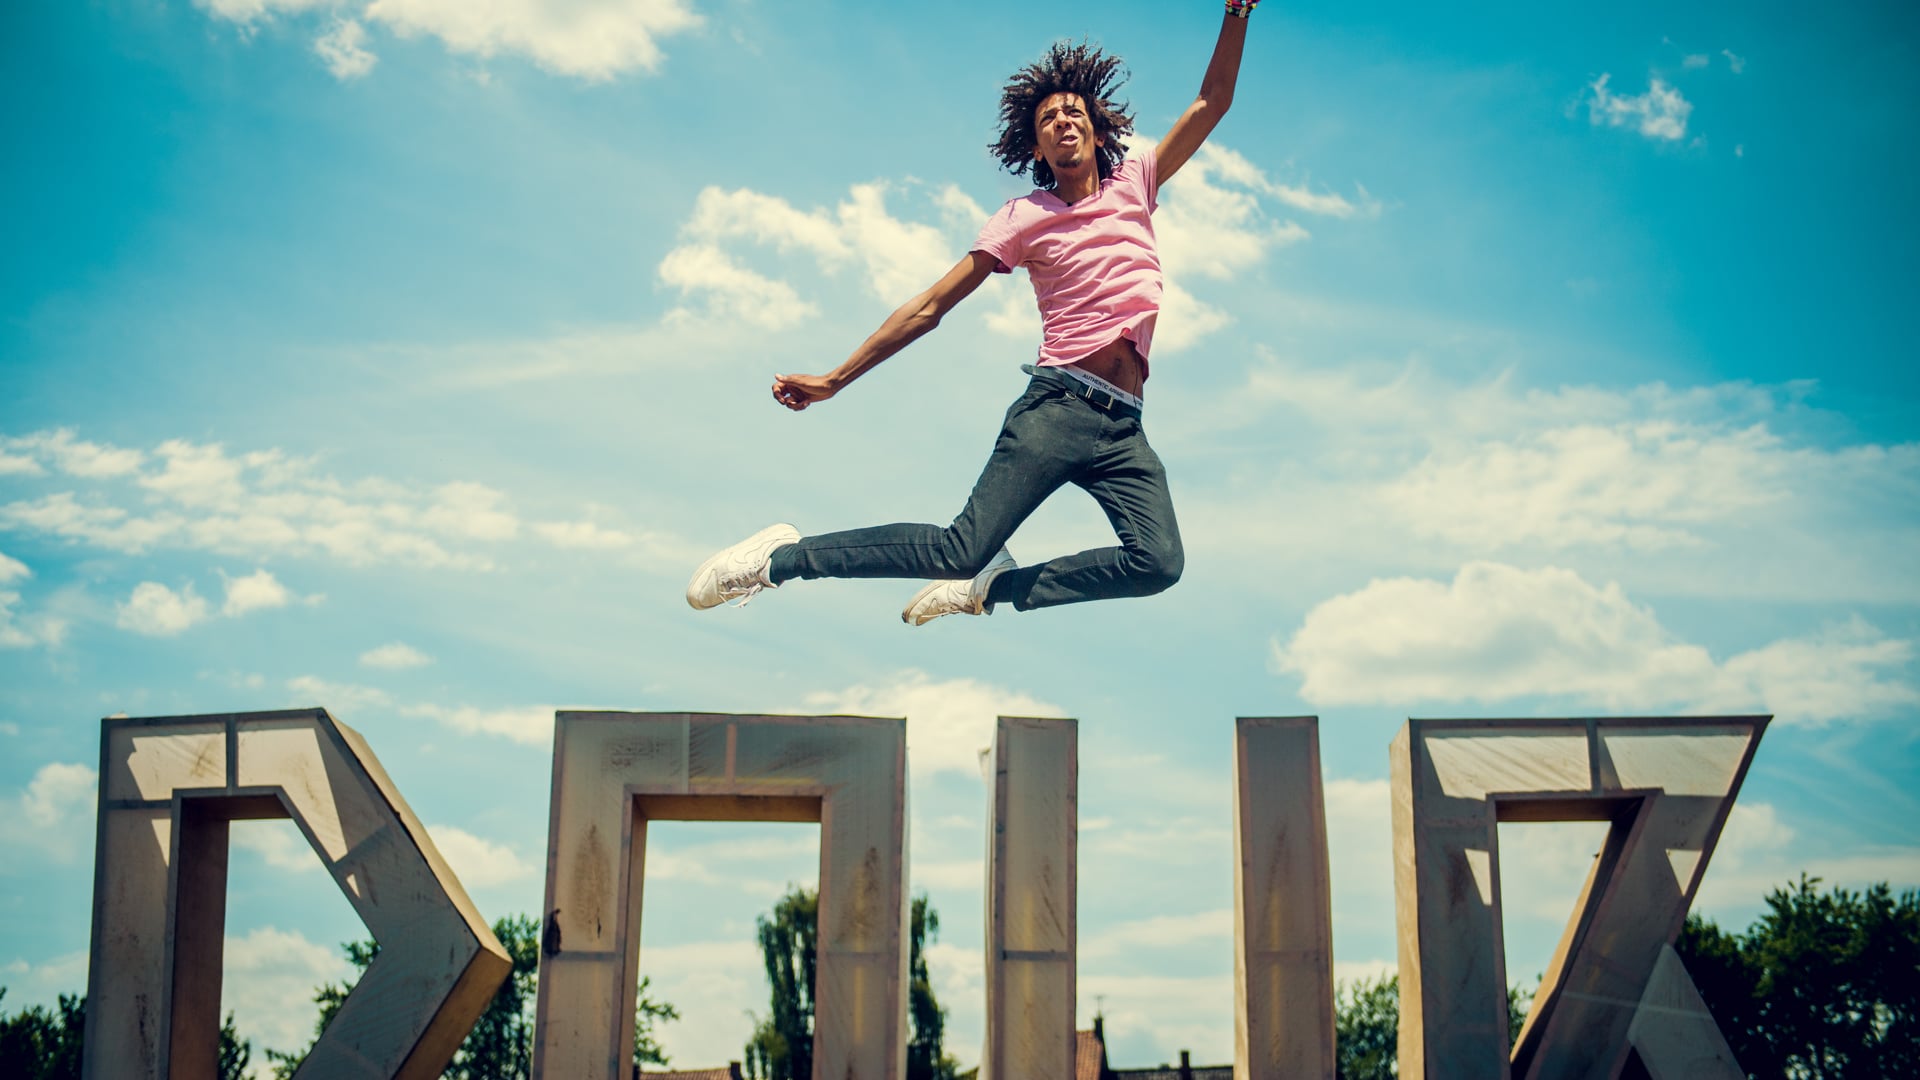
927, 1058
500, 1046
40, 1043
1822, 985
781, 1047
1366, 1026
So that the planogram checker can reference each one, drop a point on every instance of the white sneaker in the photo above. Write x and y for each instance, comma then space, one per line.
959, 597
739, 572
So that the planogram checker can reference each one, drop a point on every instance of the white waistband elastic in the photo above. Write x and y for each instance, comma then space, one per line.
1099, 384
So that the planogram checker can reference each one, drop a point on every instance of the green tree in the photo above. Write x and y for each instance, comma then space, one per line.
46, 1044
781, 1047
1823, 985
1366, 1026
927, 1058
500, 1046
41, 1043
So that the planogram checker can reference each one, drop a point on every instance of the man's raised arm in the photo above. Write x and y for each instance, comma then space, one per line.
1216, 94
911, 320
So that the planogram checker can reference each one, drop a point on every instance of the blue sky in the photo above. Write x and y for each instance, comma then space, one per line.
403, 357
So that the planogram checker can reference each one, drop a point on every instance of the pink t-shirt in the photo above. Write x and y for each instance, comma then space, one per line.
1095, 269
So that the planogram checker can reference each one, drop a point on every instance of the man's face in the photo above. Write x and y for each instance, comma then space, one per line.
1063, 133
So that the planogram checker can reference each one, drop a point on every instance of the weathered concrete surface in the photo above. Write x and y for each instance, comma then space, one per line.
615, 771
1032, 871
1665, 785
1282, 905
169, 787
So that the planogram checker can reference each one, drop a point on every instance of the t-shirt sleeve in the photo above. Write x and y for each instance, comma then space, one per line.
1001, 239
1146, 169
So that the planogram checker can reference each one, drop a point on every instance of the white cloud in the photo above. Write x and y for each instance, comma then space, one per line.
1167, 1013
26, 631
268, 982
476, 861
395, 656
1735, 485
57, 792
594, 40
707, 979
731, 292
203, 497
255, 592
1694, 61
1228, 165
246, 11
1497, 632
54, 813
75, 456
588, 39
948, 722
157, 611
898, 257
279, 844
1633, 484
583, 535
1210, 222
1759, 852
1737, 63
336, 698
102, 526
43, 982
1204, 930
343, 49
531, 724
1660, 113
12, 569
18, 465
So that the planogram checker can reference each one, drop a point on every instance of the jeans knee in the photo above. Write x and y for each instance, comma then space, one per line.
1157, 568
962, 558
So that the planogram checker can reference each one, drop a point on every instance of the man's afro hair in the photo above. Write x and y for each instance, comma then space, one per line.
1066, 68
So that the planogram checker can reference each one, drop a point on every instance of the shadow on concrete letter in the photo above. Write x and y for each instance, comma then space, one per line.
615, 771
169, 787
1615, 988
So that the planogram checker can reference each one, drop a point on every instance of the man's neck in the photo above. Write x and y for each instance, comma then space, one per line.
1071, 189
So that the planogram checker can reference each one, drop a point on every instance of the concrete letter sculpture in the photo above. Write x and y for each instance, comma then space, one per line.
1282, 908
1614, 987
615, 771
169, 786
1032, 833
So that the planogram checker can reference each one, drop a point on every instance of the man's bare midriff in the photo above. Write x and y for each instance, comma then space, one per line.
1118, 363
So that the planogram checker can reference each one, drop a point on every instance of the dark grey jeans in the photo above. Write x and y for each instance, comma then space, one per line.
1050, 438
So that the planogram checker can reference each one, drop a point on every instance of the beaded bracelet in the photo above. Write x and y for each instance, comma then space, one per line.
1240, 9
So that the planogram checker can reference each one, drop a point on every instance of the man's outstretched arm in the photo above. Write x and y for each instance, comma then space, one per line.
902, 328
1216, 94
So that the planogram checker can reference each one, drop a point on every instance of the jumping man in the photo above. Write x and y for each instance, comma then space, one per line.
1085, 235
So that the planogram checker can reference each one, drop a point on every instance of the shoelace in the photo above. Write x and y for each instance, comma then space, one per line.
742, 587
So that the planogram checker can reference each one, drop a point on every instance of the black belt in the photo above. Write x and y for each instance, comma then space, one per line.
1093, 395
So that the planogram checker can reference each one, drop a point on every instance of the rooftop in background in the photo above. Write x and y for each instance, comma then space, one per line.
731, 1072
